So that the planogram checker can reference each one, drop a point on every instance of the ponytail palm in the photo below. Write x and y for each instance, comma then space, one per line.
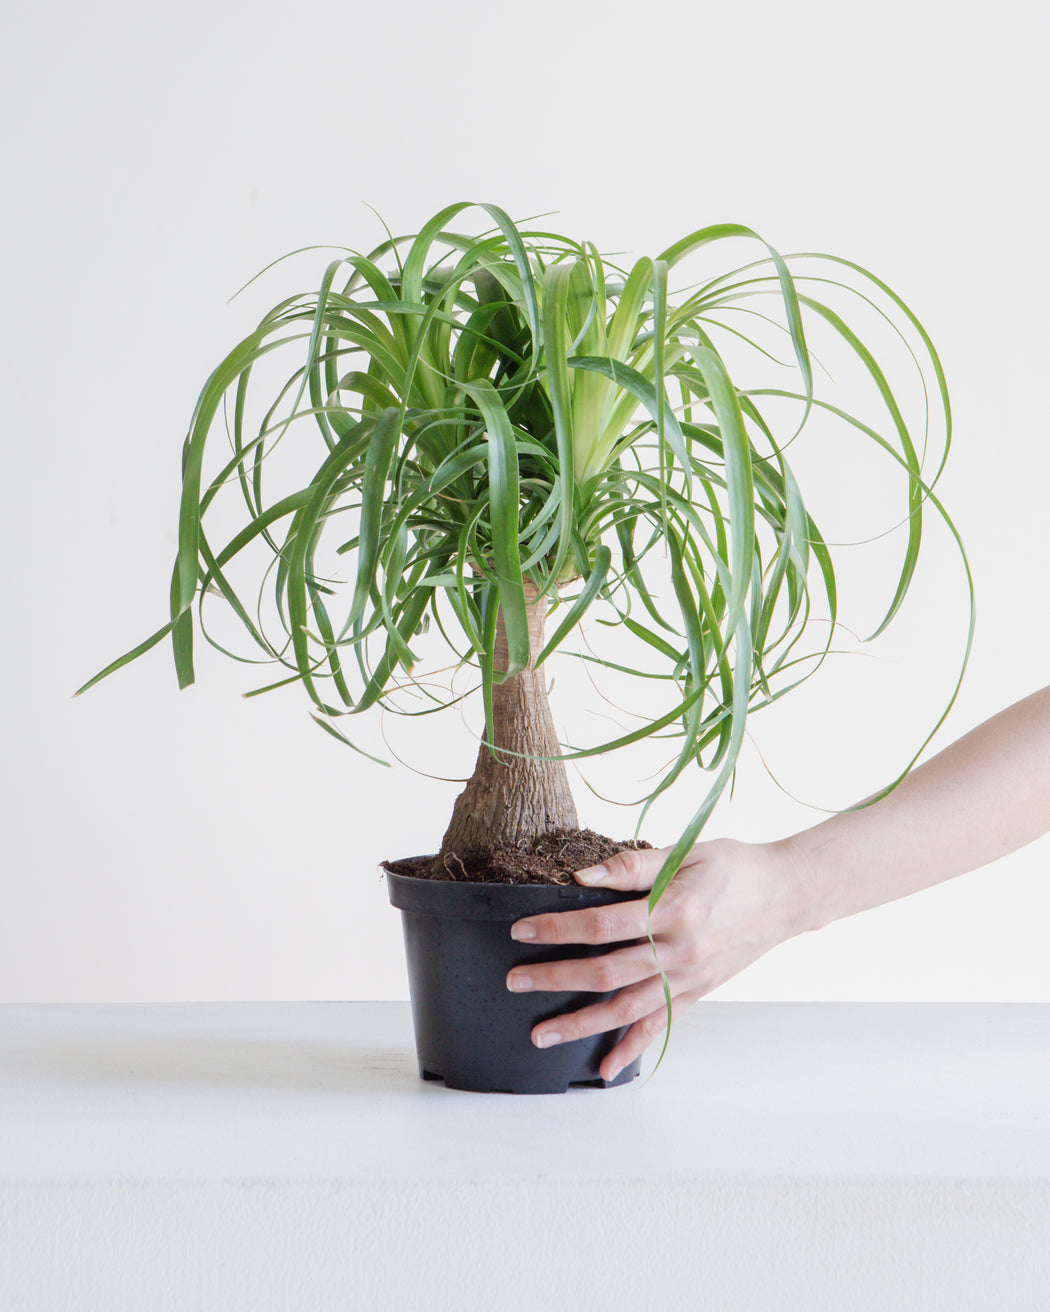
507, 431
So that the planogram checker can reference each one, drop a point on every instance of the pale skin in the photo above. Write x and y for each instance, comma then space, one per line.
981, 798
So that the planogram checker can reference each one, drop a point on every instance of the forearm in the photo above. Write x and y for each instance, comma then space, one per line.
984, 796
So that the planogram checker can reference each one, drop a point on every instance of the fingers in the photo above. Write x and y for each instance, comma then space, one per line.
605, 974
628, 1007
643, 1033
612, 924
626, 870
642, 1008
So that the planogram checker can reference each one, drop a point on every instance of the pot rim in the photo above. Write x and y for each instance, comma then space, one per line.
471, 900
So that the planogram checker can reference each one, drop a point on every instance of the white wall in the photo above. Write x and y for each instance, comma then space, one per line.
159, 845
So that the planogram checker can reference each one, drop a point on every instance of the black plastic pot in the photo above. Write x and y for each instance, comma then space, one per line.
471, 1031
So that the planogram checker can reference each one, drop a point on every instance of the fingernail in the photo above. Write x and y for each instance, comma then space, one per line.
523, 929
519, 983
593, 875
547, 1039
613, 1074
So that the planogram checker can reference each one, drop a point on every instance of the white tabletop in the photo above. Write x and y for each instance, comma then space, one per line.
330, 1091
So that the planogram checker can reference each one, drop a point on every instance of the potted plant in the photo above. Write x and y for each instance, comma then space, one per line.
485, 439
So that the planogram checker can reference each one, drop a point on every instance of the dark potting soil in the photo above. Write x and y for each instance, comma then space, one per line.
553, 859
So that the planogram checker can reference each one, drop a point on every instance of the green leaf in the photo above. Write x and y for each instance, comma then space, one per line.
555, 301
736, 448
595, 582
127, 658
503, 504
373, 495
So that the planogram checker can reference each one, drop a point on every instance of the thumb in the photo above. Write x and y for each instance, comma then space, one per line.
628, 870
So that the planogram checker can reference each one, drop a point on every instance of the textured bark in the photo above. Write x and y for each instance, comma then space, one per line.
510, 800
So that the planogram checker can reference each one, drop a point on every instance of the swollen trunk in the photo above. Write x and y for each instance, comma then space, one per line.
512, 799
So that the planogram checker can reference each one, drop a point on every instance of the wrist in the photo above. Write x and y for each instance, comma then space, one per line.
801, 885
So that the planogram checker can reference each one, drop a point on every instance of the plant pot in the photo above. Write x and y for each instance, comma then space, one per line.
471, 1031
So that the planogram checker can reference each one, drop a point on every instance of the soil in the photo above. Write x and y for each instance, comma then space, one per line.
552, 859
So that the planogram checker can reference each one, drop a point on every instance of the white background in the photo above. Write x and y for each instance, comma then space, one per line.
169, 846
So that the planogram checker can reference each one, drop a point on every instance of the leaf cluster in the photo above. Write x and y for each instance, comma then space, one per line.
483, 418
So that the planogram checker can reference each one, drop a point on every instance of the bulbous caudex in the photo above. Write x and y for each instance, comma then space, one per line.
517, 792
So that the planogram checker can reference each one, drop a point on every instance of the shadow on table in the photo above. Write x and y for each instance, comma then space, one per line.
212, 1062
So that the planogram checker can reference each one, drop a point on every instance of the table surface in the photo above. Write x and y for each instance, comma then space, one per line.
330, 1091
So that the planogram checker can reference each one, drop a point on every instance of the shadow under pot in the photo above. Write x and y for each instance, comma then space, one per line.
471, 1031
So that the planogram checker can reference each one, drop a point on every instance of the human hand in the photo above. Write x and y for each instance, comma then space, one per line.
728, 904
